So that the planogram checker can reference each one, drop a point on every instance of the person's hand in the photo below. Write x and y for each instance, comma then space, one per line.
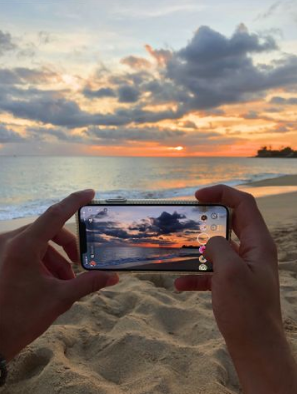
245, 293
37, 283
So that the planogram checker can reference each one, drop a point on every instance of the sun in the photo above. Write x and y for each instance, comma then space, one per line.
178, 148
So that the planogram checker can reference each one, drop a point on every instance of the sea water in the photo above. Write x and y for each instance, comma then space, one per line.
29, 185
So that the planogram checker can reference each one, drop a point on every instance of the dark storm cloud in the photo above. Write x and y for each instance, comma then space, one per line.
7, 135
284, 101
6, 43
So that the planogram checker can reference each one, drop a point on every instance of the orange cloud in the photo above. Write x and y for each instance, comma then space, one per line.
136, 62
160, 55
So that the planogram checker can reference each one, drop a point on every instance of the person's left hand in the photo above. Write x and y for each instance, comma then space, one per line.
37, 284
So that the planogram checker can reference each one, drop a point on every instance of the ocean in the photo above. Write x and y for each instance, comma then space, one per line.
29, 185
110, 257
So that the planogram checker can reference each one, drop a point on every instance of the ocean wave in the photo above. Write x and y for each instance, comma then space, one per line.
38, 206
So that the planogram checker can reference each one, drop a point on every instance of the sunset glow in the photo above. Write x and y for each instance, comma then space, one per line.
111, 81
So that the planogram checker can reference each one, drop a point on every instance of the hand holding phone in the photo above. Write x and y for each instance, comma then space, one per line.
149, 235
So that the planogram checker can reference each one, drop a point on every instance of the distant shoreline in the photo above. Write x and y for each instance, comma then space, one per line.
274, 157
285, 153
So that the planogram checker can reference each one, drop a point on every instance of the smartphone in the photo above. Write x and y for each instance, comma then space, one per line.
149, 235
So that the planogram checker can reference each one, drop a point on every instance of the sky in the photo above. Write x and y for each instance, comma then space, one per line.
147, 78
152, 226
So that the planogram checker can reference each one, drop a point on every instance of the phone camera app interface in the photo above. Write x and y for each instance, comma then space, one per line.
133, 237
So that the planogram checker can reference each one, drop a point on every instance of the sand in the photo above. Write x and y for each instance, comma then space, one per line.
141, 336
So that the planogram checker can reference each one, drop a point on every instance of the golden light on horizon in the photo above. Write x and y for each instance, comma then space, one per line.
178, 148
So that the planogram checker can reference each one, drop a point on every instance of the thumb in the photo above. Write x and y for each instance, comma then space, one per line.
87, 283
222, 255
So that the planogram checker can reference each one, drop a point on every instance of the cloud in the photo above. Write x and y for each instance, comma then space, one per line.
128, 94
215, 70
9, 136
189, 125
136, 62
166, 223
23, 75
283, 101
146, 229
270, 11
212, 70
136, 134
124, 136
100, 93
44, 37
6, 43
162, 56
251, 115
62, 112
40, 133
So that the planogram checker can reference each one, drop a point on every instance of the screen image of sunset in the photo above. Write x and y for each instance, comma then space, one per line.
150, 237
150, 78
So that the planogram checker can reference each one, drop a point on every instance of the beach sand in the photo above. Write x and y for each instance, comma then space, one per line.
141, 336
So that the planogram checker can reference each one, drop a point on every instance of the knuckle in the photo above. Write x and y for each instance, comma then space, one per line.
249, 198
11, 250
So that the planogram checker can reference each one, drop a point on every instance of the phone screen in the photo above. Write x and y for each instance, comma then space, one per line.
149, 237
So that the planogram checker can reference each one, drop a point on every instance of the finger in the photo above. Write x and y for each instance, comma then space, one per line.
67, 240
87, 283
57, 264
223, 256
16, 231
234, 245
193, 282
247, 219
53, 219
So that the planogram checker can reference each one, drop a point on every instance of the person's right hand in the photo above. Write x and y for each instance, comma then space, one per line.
245, 292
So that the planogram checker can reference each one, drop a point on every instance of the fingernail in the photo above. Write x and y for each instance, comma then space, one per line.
88, 191
112, 280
